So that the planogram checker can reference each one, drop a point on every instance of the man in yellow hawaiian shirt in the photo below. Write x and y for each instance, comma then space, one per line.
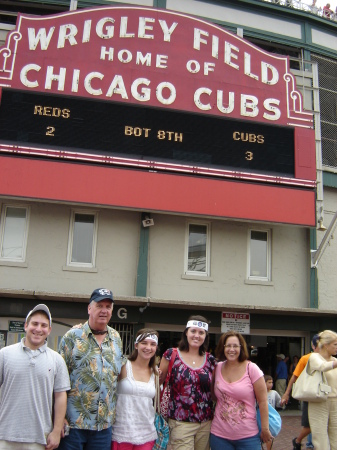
94, 356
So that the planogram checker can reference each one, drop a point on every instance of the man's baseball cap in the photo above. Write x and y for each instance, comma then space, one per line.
315, 340
280, 355
101, 294
37, 308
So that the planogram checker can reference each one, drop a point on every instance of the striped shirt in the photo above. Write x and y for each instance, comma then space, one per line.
28, 379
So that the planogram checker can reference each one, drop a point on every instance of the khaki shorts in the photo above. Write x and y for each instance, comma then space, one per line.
189, 435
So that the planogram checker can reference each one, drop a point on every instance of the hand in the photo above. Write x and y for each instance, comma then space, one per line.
65, 424
266, 436
53, 440
284, 399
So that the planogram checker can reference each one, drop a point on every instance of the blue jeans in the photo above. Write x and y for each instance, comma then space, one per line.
251, 443
87, 440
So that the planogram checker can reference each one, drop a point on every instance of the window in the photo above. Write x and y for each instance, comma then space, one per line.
198, 249
259, 255
82, 239
14, 230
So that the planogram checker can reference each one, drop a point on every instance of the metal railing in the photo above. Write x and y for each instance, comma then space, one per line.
299, 5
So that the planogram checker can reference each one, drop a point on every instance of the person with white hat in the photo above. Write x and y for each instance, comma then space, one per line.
134, 427
32, 378
190, 406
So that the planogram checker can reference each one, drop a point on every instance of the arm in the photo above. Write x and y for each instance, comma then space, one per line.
262, 399
164, 363
286, 395
316, 362
277, 399
60, 407
212, 386
123, 373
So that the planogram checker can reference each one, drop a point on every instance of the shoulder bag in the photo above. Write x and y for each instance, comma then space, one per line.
311, 386
160, 423
165, 395
274, 418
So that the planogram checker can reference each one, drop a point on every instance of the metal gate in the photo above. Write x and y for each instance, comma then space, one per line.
126, 332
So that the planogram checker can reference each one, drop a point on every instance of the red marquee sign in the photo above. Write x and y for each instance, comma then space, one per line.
151, 57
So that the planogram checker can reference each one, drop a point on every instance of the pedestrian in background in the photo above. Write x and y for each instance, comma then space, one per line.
323, 415
305, 431
281, 374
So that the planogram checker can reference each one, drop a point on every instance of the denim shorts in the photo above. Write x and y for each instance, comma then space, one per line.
251, 443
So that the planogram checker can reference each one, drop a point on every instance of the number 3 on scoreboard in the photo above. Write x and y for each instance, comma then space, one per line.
50, 131
249, 156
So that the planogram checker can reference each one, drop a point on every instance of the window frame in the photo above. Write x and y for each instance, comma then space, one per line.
70, 263
208, 249
249, 252
3, 218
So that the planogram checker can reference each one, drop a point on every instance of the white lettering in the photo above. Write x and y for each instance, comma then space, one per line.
63, 35
198, 39
142, 28
144, 96
125, 59
143, 59
247, 66
198, 102
229, 55
123, 29
109, 53
219, 100
41, 37
208, 67
159, 93
248, 105
167, 31
60, 78
161, 61
265, 67
87, 83
109, 29
117, 87
190, 65
24, 75
269, 106
86, 31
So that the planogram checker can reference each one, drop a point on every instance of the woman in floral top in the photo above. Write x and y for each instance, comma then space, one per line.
190, 407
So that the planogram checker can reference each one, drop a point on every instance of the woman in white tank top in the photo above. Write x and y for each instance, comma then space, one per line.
134, 427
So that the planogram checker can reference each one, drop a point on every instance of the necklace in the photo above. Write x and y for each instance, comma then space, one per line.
193, 362
99, 332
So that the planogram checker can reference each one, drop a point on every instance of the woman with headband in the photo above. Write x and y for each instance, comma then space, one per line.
134, 427
190, 406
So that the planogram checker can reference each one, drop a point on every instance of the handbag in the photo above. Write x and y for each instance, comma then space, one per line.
165, 395
274, 418
160, 423
311, 386
275, 421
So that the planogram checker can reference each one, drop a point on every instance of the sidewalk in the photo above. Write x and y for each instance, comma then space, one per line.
291, 425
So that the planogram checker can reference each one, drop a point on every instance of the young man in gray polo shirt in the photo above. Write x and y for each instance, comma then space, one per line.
30, 375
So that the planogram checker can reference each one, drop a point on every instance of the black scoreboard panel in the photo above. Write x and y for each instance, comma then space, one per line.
144, 133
